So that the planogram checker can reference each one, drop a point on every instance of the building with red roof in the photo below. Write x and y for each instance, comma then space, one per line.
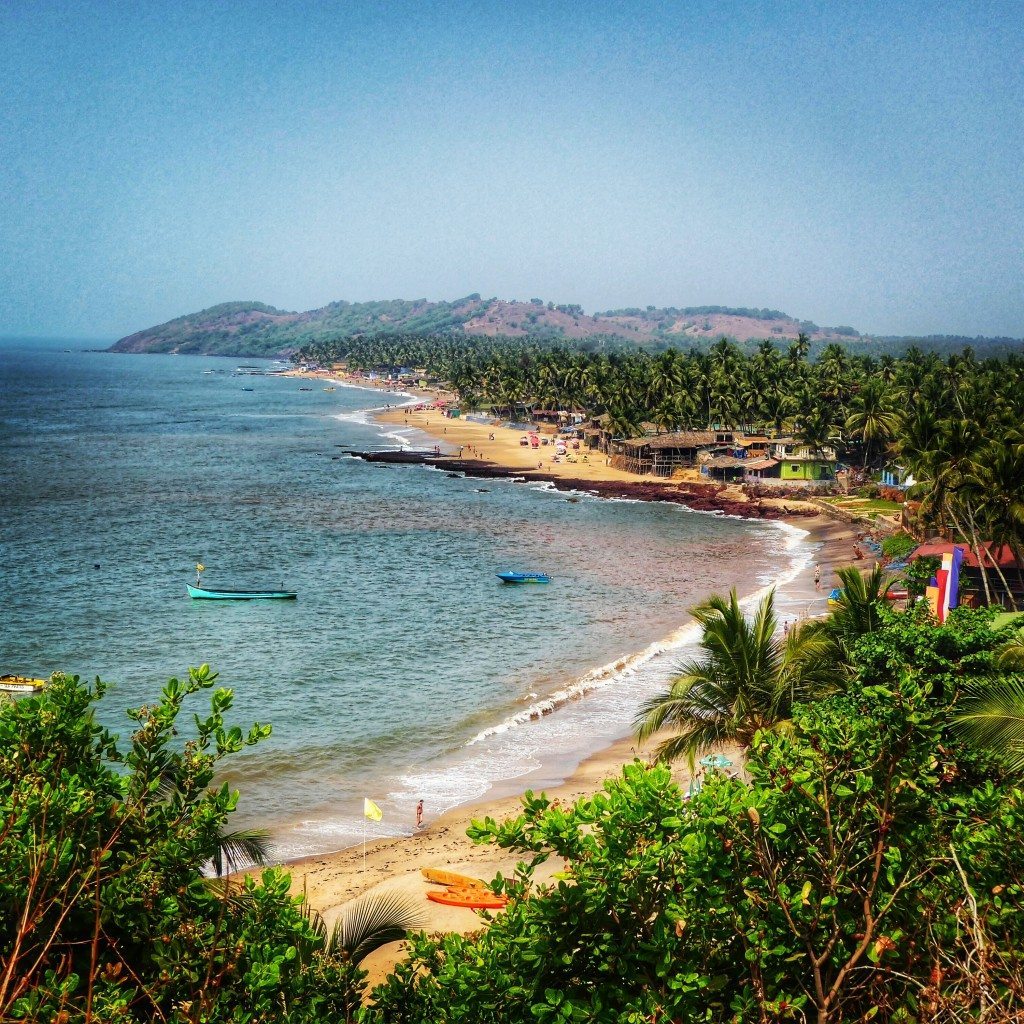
1000, 563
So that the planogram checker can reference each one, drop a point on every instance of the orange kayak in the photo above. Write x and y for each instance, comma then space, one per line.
475, 900
440, 877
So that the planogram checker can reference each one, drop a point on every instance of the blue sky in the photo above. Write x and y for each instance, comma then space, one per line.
851, 163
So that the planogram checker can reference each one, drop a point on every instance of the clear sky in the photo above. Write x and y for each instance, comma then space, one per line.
852, 163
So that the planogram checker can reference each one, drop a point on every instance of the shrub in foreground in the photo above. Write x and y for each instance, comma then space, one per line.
852, 879
105, 911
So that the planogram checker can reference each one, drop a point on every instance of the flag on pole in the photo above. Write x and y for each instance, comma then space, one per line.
371, 810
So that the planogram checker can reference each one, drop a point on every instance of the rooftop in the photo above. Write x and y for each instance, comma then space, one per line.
678, 439
994, 553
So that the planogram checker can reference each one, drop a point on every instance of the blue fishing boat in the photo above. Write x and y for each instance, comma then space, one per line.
523, 577
206, 593
241, 595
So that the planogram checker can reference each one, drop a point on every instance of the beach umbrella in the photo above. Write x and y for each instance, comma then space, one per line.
715, 761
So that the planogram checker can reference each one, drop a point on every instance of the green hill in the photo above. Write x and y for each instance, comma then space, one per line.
256, 329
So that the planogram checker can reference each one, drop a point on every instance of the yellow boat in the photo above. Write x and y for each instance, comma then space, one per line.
20, 684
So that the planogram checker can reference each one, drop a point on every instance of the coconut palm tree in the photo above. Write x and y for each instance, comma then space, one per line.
749, 678
858, 611
872, 418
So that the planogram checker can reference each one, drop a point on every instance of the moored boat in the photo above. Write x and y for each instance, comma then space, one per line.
523, 577
240, 595
20, 684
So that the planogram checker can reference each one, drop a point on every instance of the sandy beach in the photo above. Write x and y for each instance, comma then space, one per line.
492, 445
331, 880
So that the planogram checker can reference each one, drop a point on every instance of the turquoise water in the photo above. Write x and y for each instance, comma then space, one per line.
404, 670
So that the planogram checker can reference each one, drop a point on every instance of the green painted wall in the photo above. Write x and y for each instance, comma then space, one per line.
806, 470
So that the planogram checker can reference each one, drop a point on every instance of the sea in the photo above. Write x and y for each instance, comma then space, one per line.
404, 670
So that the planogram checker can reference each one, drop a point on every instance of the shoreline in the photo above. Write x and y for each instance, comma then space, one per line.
393, 864
490, 451
332, 879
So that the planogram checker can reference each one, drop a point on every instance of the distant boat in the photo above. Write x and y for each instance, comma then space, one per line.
248, 389
329, 389
21, 684
305, 389
241, 595
523, 577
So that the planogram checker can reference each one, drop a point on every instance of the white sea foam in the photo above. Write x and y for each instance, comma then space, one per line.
605, 675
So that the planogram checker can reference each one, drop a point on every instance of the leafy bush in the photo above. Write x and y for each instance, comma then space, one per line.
856, 875
105, 910
897, 546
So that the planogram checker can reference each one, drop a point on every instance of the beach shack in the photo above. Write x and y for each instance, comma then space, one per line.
756, 471
1003, 571
726, 468
663, 454
755, 446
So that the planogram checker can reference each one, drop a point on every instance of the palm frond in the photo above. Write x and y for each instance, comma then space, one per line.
748, 678
1011, 655
241, 849
992, 718
372, 921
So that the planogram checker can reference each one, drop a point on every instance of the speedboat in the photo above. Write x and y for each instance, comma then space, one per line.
523, 577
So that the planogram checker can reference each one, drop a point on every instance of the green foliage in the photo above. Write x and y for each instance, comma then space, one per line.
897, 546
106, 912
827, 888
941, 656
918, 573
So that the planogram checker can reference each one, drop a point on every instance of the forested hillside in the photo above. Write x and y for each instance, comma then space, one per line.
256, 329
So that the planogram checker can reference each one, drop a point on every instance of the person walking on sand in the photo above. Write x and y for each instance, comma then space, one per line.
419, 815
817, 577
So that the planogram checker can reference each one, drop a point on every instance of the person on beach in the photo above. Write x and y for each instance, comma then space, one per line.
419, 815
817, 577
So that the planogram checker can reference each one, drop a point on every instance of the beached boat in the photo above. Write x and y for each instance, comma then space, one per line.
240, 595
523, 577
20, 684
452, 879
472, 900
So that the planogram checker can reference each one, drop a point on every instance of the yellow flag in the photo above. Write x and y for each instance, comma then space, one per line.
371, 810
200, 567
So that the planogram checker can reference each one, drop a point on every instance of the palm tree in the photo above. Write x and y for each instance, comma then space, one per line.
749, 679
859, 610
241, 849
872, 418
369, 922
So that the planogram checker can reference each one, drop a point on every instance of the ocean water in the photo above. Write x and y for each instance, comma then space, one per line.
405, 670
